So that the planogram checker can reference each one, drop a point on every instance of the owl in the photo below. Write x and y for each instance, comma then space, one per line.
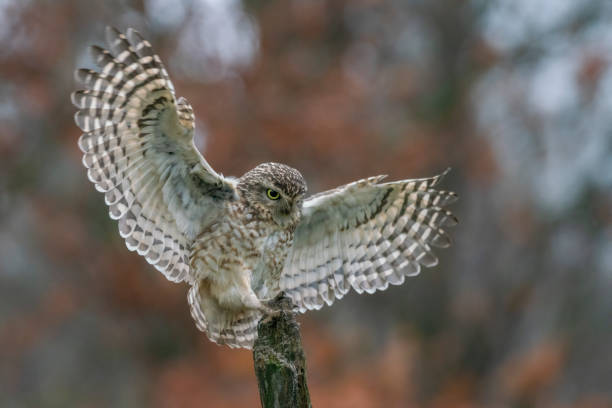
239, 242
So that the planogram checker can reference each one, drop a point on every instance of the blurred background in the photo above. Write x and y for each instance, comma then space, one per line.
514, 95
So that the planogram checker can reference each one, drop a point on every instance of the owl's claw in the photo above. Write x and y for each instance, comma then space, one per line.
275, 307
269, 314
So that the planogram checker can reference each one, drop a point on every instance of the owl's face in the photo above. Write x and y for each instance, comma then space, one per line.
275, 192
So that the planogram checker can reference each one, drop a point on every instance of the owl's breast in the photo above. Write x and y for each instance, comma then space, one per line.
239, 244
275, 246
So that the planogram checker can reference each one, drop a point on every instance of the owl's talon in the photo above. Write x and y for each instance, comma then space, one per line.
275, 307
269, 314
280, 303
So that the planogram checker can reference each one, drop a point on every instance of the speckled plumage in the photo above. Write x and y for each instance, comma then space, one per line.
239, 242
237, 261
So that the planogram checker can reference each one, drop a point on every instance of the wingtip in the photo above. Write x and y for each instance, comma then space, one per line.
378, 179
131, 31
437, 179
73, 98
78, 118
77, 75
81, 143
111, 30
134, 36
81, 74
97, 53
111, 35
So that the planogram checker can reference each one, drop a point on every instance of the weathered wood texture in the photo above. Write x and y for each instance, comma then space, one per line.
279, 360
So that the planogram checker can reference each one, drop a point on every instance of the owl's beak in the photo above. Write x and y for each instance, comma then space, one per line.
285, 209
285, 215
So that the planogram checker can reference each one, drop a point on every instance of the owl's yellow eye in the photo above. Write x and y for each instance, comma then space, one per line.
273, 194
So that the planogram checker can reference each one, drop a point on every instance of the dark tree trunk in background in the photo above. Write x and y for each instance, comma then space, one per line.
280, 365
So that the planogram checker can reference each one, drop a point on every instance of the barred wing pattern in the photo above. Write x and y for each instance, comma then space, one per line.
138, 149
365, 235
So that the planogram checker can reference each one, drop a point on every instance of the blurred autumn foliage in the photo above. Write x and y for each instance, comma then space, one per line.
515, 96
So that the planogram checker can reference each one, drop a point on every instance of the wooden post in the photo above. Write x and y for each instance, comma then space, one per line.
279, 360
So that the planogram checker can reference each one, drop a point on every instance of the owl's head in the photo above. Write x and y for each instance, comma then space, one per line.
275, 192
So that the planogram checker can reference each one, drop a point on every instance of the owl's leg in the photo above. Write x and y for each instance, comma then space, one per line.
244, 299
234, 295
226, 297
219, 307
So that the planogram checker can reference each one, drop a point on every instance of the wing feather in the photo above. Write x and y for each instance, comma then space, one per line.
365, 235
138, 150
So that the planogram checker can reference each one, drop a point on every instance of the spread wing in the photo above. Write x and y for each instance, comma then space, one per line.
138, 149
365, 235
